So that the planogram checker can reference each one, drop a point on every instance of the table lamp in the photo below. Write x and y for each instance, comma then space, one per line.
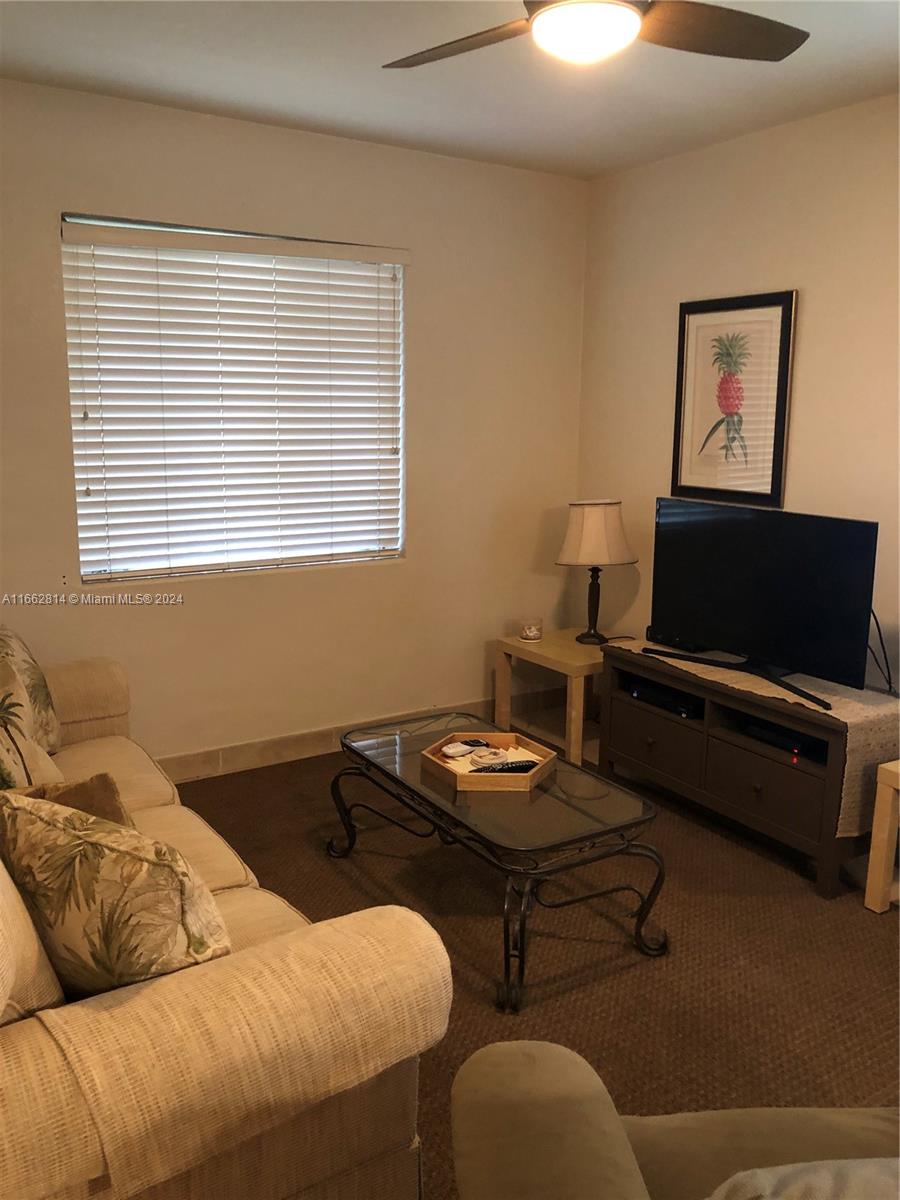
595, 538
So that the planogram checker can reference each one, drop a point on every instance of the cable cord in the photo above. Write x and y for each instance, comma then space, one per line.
885, 671
879, 667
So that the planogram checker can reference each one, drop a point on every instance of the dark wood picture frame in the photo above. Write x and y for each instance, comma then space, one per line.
774, 496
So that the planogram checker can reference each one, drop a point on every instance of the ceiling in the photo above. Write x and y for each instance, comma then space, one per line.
317, 66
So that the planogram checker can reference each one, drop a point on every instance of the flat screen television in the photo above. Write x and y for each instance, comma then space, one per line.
788, 591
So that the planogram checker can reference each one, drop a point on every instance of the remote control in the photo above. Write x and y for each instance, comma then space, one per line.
508, 768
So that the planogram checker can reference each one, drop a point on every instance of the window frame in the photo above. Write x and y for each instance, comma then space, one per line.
83, 230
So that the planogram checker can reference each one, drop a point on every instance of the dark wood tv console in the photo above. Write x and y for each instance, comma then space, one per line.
721, 754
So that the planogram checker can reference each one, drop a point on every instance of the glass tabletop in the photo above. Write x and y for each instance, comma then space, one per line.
569, 806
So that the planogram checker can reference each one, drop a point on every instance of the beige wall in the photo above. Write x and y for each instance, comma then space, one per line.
493, 350
494, 314
811, 205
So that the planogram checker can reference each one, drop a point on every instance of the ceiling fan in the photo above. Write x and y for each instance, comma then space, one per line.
587, 31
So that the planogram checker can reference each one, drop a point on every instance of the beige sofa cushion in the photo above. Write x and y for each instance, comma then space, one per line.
208, 853
40, 721
91, 698
27, 981
112, 907
141, 783
253, 915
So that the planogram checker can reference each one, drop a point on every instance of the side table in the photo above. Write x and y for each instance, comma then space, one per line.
558, 651
880, 886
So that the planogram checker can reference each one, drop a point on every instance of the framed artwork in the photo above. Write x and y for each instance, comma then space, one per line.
731, 398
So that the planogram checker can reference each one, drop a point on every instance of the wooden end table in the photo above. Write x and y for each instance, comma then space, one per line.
558, 651
880, 886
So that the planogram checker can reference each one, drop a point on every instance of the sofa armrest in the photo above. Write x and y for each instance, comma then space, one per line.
179, 1068
533, 1120
91, 698
47, 1138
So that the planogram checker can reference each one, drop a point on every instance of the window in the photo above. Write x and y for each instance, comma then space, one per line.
236, 401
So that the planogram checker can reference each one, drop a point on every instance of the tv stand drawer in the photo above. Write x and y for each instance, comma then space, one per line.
765, 790
659, 742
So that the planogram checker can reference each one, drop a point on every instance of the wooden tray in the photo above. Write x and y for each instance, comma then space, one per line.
458, 774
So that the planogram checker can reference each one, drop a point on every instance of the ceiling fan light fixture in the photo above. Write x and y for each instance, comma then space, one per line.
585, 31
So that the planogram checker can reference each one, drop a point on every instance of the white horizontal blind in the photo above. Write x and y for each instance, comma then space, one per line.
232, 410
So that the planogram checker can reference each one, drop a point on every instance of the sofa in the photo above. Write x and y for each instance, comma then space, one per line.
534, 1121
287, 1068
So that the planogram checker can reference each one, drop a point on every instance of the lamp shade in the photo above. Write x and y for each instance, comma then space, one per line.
595, 536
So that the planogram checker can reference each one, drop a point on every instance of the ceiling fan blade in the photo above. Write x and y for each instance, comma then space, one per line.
725, 32
487, 37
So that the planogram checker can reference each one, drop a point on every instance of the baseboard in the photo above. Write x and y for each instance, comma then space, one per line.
243, 756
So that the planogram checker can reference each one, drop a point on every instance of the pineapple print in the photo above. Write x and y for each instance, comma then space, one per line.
730, 355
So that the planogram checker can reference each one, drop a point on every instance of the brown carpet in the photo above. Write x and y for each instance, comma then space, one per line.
769, 995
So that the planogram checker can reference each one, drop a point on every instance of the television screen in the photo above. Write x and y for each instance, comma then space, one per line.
787, 590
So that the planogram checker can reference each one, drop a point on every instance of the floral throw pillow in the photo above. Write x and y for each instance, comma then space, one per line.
27, 981
22, 762
112, 906
40, 721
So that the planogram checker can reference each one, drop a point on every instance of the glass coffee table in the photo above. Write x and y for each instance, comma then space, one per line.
570, 820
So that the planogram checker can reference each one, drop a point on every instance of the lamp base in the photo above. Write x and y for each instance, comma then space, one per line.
591, 637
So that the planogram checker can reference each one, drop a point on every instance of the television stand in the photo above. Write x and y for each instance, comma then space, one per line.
729, 744
749, 666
